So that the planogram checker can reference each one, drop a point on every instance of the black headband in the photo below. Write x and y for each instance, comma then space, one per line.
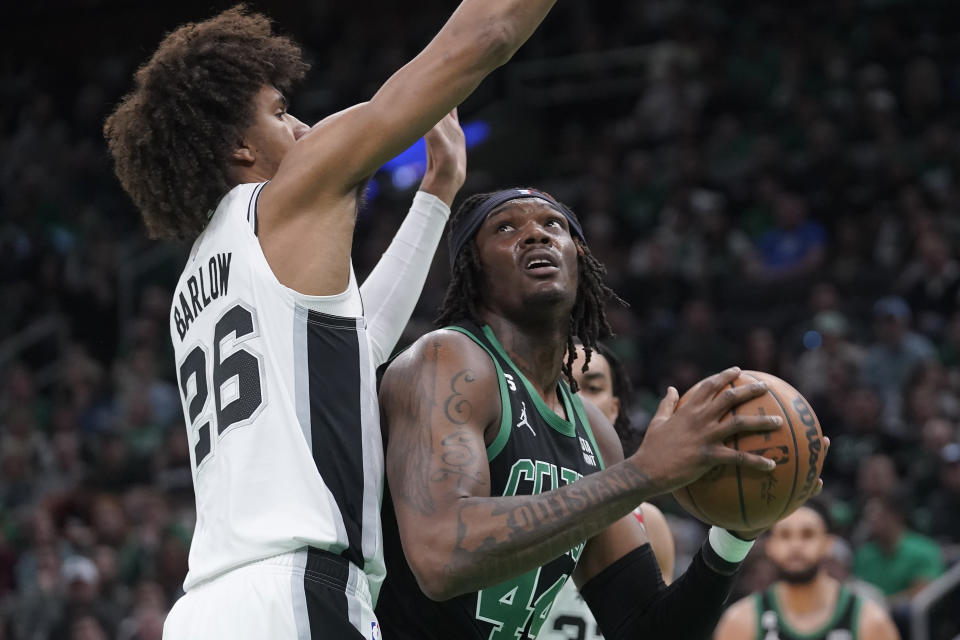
467, 228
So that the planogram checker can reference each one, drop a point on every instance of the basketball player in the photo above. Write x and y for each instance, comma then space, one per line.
494, 465
805, 603
276, 344
605, 383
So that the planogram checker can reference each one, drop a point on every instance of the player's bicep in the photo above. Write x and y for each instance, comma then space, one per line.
624, 535
436, 404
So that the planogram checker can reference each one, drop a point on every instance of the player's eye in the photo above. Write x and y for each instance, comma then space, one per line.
280, 114
555, 222
506, 226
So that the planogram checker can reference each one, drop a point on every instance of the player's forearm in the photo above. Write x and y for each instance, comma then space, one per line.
492, 539
630, 600
511, 21
392, 289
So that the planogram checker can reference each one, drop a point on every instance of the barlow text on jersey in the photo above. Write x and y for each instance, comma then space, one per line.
209, 283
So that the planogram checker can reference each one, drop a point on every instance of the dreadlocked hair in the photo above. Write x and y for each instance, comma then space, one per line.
171, 136
588, 319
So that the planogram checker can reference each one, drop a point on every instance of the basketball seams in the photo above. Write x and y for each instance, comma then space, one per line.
736, 445
793, 436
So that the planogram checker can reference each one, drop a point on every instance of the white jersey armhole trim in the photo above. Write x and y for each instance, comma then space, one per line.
346, 304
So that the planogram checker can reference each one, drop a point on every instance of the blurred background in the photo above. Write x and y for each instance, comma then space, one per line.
775, 187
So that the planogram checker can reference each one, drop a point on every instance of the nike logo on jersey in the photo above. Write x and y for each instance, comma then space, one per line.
523, 418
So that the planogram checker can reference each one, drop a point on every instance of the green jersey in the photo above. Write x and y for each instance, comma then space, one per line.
535, 450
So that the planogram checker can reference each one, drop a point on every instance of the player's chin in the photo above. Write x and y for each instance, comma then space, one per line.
798, 573
548, 294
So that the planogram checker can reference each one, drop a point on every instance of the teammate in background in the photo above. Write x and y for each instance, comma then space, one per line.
494, 465
605, 383
276, 345
805, 603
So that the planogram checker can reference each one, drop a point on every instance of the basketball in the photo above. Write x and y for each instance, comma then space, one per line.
744, 499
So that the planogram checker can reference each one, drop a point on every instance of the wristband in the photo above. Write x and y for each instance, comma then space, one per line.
728, 546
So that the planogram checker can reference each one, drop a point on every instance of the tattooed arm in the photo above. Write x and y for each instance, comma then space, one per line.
437, 401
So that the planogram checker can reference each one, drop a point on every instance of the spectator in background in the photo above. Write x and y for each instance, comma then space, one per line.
81, 599
858, 436
827, 348
877, 478
839, 564
897, 560
761, 352
701, 340
944, 502
796, 246
930, 283
924, 462
894, 355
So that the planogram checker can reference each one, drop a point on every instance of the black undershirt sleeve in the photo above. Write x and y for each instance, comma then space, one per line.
630, 600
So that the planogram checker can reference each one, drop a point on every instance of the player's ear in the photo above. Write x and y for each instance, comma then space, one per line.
242, 154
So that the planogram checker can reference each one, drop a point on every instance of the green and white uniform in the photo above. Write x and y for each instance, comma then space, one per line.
841, 626
535, 450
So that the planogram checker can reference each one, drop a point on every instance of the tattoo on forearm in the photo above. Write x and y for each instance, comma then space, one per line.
540, 526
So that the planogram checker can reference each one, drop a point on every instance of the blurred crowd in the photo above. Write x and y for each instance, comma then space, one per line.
779, 189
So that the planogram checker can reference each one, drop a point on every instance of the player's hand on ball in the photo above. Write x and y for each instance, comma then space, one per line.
681, 444
753, 534
446, 159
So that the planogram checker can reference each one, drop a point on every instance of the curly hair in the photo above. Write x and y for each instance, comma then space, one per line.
171, 136
588, 319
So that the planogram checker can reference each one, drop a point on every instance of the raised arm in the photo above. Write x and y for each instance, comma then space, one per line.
392, 289
307, 210
438, 399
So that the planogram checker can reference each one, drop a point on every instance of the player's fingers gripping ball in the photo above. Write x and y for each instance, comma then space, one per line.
738, 498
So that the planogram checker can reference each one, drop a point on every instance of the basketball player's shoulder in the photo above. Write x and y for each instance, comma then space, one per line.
874, 623
441, 350
739, 622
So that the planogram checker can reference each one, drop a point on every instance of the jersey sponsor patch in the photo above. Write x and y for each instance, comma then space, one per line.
588, 456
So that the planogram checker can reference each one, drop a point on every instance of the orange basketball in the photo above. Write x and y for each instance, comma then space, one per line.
743, 499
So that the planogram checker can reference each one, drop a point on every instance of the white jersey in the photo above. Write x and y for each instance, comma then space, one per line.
280, 403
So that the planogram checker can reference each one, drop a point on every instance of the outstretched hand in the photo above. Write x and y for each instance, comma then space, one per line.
682, 444
446, 159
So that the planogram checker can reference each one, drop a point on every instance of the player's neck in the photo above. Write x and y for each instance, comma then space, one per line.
809, 598
249, 174
536, 349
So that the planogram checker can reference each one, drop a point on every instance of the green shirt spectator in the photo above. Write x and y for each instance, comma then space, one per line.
897, 560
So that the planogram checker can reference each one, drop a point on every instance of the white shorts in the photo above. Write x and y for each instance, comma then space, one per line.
304, 595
